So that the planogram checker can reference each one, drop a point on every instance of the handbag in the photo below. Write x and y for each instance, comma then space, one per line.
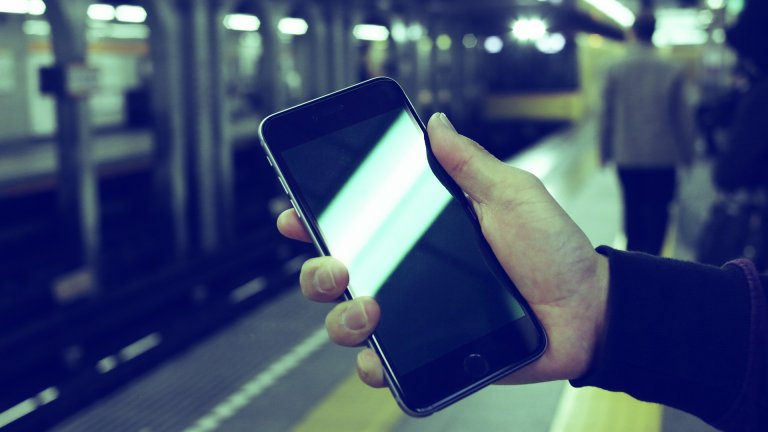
736, 228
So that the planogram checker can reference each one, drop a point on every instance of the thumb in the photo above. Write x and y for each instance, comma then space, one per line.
475, 170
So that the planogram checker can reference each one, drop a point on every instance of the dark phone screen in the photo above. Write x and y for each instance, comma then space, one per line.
405, 239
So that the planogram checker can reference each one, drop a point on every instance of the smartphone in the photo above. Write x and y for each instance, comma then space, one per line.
358, 168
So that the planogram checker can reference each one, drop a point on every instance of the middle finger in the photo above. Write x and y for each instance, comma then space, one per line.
350, 323
323, 279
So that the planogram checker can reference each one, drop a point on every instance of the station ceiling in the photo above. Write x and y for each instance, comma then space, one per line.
466, 6
493, 16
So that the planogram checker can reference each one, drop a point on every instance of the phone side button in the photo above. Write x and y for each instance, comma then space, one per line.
269, 159
475, 365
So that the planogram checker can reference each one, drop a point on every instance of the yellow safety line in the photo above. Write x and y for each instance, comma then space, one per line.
590, 409
353, 407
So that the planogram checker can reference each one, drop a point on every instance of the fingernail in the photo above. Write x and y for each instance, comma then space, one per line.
354, 317
366, 363
446, 122
324, 280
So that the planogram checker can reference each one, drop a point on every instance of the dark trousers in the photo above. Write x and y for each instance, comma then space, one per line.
647, 194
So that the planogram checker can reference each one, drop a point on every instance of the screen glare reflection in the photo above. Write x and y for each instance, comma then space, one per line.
400, 196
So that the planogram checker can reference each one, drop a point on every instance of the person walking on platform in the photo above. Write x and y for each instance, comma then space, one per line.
646, 128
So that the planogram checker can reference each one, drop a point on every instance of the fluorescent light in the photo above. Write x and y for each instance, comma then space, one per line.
35, 7
399, 32
734, 7
469, 41
370, 32
292, 26
529, 29
130, 14
718, 36
493, 44
716, 4
680, 37
706, 17
101, 12
679, 27
615, 11
415, 32
242, 22
11, 6
36, 27
551, 43
443, 42
31, 7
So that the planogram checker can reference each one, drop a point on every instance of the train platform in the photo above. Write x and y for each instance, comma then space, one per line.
143, 286
274, 369
22, 160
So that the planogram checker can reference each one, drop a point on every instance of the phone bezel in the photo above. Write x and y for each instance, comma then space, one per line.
424, 390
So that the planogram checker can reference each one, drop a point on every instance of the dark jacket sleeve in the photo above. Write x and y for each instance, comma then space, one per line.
686, 335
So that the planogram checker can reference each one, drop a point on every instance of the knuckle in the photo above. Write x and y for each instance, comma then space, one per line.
461, 164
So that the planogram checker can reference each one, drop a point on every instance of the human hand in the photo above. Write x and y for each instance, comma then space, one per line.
546, 255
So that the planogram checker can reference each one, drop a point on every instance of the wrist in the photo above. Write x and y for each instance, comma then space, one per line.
596, 288
601, 287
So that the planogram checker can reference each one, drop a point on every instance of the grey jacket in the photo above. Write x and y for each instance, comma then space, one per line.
645, 119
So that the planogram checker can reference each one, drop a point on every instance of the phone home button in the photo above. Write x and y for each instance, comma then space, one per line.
475, 365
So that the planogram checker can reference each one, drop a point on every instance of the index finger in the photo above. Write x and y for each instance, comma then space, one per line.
289, 225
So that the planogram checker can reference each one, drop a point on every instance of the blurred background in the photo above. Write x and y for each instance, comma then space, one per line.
143, 286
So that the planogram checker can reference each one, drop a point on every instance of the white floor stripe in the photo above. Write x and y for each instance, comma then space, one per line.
565, 410
260, 383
